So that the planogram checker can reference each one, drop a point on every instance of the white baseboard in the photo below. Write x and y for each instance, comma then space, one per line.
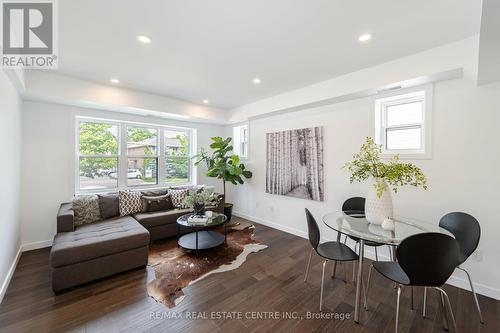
36, 245
455, 280
5, 283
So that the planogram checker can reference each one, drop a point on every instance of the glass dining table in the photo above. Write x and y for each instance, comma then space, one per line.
354, 223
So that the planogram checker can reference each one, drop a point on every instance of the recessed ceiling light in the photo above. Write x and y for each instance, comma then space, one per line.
114, 81
144, 39
256, 80
206, 101
365, 37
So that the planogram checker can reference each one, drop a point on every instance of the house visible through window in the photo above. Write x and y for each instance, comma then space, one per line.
402, 122
240, 140
117, 155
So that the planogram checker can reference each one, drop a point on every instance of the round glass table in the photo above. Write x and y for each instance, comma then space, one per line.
201, 238
354, 223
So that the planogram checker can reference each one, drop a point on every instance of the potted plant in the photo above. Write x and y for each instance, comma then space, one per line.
389, 175
198, 200
223, 165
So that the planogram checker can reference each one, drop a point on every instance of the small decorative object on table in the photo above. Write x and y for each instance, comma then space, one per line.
198, 220
197, 201
391, 174
388, 224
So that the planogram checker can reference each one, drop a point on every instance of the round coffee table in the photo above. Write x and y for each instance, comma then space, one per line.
201, 238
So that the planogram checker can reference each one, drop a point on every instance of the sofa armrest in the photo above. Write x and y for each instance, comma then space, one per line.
66, 218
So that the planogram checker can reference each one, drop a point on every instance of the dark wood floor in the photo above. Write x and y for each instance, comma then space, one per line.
271, 280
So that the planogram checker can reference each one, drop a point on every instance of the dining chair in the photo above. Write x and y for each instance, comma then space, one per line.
467, 232
335, 251
425, 260
356, 205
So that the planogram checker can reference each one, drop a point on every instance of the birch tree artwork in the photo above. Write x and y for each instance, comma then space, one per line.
295, 163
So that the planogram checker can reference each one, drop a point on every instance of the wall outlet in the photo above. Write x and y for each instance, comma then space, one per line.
477, 255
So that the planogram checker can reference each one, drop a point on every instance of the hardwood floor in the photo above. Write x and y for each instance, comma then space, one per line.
269, 281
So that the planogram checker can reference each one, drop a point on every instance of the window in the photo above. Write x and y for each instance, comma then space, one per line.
121, 154
142, 156
402, 123
98, 152
177, 157
240, 140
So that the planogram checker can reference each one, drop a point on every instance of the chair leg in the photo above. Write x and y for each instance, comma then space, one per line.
474, 294
450, 310
308, 264
334, 268
443, 310
397, 308
354, 264
344, 267
368, 286
376, 254
322, 283
411, 298
425, 302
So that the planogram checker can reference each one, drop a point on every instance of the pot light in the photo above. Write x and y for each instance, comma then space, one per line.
256, 80
144, 39
206, 101
114, 81
365, 37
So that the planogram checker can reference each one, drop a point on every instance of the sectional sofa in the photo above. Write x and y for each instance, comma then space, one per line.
84, 253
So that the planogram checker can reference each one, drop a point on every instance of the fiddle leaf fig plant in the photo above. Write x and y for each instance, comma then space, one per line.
222, 164
392, 174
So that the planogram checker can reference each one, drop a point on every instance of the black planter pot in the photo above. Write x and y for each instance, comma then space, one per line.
228, 211
199, 209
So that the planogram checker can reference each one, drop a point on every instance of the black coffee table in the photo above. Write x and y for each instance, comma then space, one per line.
201, 238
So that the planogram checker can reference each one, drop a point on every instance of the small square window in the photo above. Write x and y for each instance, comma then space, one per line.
402, 123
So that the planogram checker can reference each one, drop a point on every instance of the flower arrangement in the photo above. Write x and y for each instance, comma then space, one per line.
198, 200
391, 174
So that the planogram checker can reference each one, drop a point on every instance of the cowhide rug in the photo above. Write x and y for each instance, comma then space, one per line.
176, 268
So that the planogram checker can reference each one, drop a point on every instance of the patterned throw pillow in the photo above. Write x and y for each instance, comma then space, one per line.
130, 202
178, 196
157, 203
86, 208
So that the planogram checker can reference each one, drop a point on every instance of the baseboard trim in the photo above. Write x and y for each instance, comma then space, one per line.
454, 280
36, 245
10, 273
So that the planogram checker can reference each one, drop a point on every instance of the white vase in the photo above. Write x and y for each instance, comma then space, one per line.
377, 209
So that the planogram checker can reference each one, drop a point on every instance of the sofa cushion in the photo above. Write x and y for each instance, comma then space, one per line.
155, 192
157, 203
154, 219
130, 202
86, 208
178, 196
109, 205
95, 240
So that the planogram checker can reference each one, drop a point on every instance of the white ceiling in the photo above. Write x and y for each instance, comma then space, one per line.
213, 49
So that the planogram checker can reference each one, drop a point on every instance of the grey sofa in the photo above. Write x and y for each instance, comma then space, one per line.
85, 253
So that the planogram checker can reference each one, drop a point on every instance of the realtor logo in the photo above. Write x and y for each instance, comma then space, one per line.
29, 34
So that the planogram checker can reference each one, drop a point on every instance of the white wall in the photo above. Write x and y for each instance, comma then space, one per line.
10, 169
462, 175
49, 162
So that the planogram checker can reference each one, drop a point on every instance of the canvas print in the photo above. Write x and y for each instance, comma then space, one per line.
295, 163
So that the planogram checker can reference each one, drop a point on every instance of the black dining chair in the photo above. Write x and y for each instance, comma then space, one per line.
352, 206
335, 251
467, 232
425, 260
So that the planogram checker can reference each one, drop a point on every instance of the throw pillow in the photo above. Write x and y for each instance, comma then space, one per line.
155, 192
178, 196
130, 202
157, 203
86, 209
109, 205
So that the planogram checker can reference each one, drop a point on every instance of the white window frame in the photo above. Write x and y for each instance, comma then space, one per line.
128, 156
122, 156
239, 141
379, 120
